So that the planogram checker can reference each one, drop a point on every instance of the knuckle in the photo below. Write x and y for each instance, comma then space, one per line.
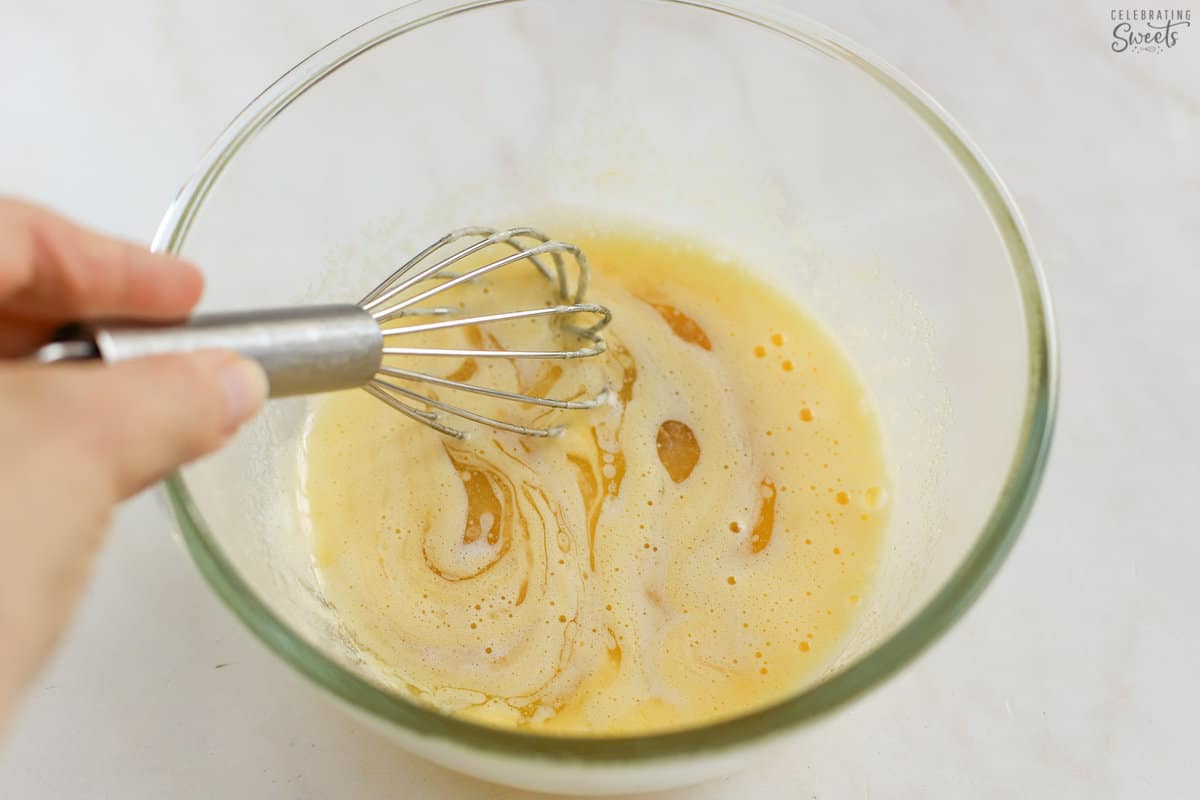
80, 275
17, 253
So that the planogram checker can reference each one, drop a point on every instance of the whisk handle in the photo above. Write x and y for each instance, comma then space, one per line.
304, 350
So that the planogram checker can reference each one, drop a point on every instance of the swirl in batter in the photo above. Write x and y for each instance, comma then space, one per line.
688, 552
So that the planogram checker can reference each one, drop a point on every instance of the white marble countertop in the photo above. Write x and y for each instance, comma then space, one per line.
1072, 677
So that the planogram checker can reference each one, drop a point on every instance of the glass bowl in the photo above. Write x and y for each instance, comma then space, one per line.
755, 132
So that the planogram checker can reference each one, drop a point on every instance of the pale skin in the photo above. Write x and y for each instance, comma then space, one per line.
77, 439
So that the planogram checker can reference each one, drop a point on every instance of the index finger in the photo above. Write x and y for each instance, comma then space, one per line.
53, 270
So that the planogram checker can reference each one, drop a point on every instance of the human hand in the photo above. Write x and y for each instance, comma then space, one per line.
76, 439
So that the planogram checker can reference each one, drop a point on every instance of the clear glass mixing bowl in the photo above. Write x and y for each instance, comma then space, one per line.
756, 132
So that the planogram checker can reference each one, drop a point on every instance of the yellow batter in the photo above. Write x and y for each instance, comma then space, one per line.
686, 553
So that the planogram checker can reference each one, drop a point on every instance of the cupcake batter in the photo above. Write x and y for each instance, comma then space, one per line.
686, 553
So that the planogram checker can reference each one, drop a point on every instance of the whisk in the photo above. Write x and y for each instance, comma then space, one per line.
312, 349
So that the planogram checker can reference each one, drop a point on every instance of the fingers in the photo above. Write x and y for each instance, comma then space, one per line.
136, 421
52, 269
75, 438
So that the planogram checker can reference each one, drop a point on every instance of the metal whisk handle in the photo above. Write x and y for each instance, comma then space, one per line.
303, 350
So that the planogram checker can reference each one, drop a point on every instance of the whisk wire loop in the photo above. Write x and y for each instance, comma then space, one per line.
399, 297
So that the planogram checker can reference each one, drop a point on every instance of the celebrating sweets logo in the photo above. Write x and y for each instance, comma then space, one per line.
1148, 30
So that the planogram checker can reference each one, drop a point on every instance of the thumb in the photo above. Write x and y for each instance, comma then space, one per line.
146, 417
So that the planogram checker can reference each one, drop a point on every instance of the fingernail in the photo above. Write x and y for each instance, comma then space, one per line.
245, 386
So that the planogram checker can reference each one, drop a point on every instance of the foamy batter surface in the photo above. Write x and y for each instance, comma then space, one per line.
690, 551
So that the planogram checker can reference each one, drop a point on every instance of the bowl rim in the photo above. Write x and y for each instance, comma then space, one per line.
958, 592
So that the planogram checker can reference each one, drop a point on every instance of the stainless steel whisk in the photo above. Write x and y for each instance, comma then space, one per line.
311, 349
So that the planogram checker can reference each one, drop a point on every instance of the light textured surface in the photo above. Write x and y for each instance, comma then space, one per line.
1073, 676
